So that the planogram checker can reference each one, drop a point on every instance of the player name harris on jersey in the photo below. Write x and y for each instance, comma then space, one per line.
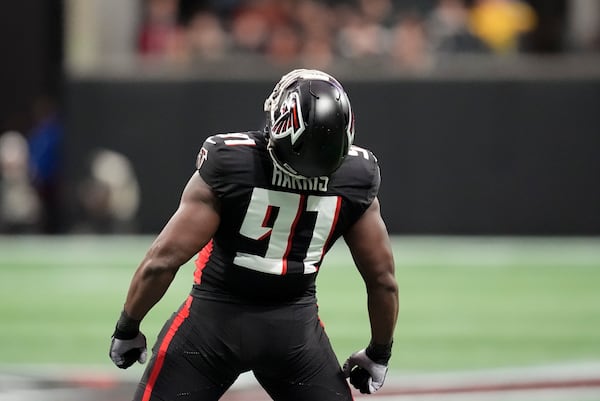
283, 180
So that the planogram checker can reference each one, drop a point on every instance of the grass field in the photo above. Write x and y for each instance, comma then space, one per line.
466, 303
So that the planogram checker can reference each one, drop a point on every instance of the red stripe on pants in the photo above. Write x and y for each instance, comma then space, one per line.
162, 351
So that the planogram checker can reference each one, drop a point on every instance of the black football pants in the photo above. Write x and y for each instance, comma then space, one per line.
205, 346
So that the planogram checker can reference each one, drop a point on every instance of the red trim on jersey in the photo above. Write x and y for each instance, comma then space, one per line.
203, 257
301, 206
162, 351
265, 222
338, 207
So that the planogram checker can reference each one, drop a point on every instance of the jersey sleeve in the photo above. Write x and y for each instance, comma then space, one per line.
363, 178
358, 181
224, 159
209, 164
375, 181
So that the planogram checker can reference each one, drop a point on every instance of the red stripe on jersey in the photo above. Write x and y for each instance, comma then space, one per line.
265, 222
338, 207
203, 257
292, 232
162, 351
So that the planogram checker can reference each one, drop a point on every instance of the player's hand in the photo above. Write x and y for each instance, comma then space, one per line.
128, 343
367, 368
125, 353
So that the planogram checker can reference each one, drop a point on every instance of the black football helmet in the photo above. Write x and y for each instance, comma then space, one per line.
310, 124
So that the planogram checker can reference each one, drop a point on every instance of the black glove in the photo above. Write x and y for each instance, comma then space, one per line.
128, 343
367, 368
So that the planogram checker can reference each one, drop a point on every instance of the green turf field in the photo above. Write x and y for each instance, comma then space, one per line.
466, 303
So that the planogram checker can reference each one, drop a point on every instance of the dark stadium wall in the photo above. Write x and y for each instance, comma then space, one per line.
31, 49
457, 157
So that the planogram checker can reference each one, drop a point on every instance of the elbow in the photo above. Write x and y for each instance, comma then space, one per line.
158, 263
390, 286
384, 283
152, 268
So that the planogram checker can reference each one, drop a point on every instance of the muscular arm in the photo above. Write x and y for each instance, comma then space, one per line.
369, 244
188, 230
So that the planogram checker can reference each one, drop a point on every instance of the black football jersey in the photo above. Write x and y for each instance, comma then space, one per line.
275, 229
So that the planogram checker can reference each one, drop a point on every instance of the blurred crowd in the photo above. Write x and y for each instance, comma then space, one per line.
402, 34
407, 34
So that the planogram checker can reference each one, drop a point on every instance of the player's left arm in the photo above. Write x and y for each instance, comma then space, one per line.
369, 243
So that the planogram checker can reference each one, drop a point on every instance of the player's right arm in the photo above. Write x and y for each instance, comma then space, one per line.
190, 228
187, 232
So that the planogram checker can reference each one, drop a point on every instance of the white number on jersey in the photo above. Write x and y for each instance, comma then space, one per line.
356, 150
236, 139
281, 236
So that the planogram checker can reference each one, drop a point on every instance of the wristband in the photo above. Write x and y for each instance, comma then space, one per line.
379, 353
127, 328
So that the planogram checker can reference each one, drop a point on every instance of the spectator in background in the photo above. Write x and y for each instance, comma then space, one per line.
251, 24
318, 51
283, 45
19, 204
160, 36
378, 12
362, 37
317, 24
501, 23
109, 195
584, 25
448, 29
409, 49
45, 148
206, 37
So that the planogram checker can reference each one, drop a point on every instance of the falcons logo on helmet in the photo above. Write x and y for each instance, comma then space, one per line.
290, 121
202, 157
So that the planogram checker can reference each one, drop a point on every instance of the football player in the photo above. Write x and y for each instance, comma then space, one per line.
261, 212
